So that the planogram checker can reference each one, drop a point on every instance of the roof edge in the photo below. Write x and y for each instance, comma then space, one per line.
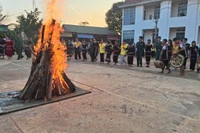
137, 3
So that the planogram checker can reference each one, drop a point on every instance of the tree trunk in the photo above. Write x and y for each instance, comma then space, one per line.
41, 84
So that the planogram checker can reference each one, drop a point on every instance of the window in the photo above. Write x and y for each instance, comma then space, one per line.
129, 16
157, 13
145, 13
180, 33
128, 35
182, 10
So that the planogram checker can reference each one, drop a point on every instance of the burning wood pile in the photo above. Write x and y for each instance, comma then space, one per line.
48, 77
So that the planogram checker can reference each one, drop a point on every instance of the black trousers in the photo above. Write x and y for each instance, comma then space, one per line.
139, 59
193, 62
130, 60
28, 53
92, 56
77, 53
148, 59
185, 62
84, 55
153, 54
115, 58
108, 56
101, 57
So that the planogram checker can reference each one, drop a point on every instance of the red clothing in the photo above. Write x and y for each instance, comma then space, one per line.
9, 48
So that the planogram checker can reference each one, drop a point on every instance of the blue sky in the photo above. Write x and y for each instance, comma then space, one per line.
76, 11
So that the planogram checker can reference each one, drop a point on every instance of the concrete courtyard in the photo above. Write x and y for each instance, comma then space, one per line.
123, 100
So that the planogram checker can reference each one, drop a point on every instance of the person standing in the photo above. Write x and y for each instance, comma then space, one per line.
27, 49
130, 54
139, 51
19, 46
187, 48
92, 50
181, 51
77, 45
153, 51
148, 51
193, 55
123, 49
116, 50
2, 47
158, 46
102, 46
96, 49
84, 50
170, 47
9, 47
164, 56
108, 52
69, 49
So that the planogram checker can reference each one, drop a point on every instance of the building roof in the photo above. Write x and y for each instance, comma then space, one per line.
129, 3
132, 1
3, 27
88, 30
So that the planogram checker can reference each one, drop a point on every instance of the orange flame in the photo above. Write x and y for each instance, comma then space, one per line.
51, 40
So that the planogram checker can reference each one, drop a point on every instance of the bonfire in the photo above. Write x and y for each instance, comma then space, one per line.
47, 77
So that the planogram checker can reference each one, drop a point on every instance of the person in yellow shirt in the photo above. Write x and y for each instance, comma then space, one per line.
123, 49
77, 46
102, 46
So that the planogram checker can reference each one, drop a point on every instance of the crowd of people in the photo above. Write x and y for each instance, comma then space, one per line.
161, 50
8, 47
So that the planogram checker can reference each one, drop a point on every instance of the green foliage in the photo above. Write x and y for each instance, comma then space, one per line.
29, 23
114, 18
2, 16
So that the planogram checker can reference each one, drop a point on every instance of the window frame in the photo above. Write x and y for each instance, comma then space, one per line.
157, 13
182, 10
129, 16
128, 35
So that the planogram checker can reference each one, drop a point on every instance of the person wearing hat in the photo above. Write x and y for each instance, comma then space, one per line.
158, 46
139, 51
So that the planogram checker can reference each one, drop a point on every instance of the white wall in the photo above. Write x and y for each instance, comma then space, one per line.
198, 39
172, 33
174, 9
191, 22
148, 34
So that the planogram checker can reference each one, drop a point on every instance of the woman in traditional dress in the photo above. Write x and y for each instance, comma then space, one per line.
9, 47
2, 47
193, 55
69, 49
148, 51
170, 47
116, 50
27, 49
108, 52
130, 54
164, 56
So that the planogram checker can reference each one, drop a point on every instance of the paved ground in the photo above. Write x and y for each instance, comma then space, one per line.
123, 100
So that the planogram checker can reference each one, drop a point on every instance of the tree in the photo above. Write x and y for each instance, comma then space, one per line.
29, 23
114, 18
2, 17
